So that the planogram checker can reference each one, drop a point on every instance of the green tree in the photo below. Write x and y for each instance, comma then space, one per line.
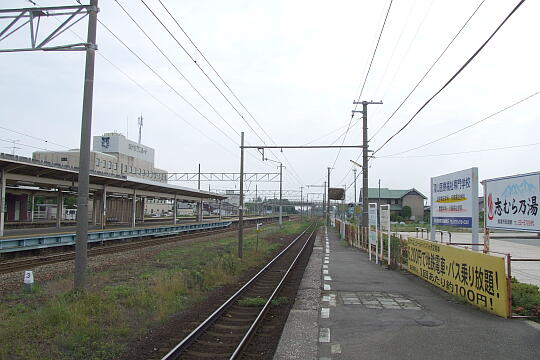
406, 212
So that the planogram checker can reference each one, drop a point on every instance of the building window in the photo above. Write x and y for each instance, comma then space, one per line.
131, 169
97, 162
115, 166
110, 165
63, 159
396, 201
104, 164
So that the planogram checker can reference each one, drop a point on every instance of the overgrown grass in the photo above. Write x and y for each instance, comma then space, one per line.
260, 301
52, 322
525, 299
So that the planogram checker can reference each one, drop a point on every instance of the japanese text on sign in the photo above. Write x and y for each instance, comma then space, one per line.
512, 202
476, 277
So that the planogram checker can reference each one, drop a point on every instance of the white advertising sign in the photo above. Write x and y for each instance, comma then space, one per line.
512, 203
454, 199
372, 215
385, 217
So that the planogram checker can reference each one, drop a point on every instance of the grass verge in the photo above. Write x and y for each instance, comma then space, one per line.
525, 299
123, 301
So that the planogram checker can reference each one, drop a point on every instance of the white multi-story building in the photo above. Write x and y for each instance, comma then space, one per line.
113, 154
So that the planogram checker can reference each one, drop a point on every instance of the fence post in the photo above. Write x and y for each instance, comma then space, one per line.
509, 283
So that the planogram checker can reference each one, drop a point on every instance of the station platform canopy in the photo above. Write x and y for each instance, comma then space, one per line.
25, 172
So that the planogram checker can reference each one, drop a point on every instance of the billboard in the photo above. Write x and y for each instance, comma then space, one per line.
454, 199
511, 203
478, 278
336, 193
372, 216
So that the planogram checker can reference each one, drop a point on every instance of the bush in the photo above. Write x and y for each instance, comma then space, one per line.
525, 298
406, 212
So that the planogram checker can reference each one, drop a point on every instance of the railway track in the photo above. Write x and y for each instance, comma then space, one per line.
27, 263
236, 329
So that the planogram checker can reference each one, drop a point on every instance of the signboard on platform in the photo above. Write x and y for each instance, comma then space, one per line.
454, 199
479, 278
385, 217
336, 193
372, 216
511, 203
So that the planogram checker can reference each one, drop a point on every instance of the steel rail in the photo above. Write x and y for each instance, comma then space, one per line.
188, 340
262, 314
30, 262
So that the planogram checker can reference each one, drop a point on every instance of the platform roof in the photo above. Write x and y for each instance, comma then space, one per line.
23, 171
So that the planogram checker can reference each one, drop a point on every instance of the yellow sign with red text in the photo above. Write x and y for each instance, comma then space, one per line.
479, 278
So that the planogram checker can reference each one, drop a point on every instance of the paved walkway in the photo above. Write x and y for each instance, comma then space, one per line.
367, 312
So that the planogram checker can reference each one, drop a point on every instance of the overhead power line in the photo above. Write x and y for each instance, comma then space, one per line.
466, 127
209, 79
428, 71
175, 67
212, 67
365, 78
34, 137
452, 78
166, 82
459, 152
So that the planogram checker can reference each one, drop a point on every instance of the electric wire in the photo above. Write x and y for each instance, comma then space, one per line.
428, 71
174, 66
212, 82
459, 152
452, 78
34, 137
365, 79
466, 127
166, 82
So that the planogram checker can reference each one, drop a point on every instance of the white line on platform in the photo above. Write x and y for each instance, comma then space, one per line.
325, 272
325, 313
325, 266
326, 298
327, 287
326, 261
324, 335
327, 278
335, 349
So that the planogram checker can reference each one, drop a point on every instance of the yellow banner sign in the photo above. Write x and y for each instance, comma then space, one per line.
476, 277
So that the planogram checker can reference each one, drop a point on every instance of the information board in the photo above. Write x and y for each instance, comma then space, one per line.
385, 217
479, 278
372, 215
512, 202
454, 199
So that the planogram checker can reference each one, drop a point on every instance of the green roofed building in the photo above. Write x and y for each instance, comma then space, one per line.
397, 199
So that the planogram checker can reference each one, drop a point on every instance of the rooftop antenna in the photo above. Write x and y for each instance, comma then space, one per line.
140, 123
14, 146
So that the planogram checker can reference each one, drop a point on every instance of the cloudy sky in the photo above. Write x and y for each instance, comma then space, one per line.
296, 66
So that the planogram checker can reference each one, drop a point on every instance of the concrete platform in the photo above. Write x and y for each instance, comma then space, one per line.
367, 312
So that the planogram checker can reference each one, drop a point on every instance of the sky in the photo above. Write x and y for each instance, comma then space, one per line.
296, 66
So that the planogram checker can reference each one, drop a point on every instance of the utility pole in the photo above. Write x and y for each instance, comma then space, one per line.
200, 204
81, 242
256, 201
241, 207
328, 202
365, 179
324, 209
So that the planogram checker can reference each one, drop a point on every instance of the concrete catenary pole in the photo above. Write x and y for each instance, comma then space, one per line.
328, 200
280, 194
241, 205
81, 243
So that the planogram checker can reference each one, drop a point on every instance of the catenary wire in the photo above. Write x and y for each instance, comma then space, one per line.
452, 78
428, 71
174, 66
213, 83
466, 127
365, 79
34, 137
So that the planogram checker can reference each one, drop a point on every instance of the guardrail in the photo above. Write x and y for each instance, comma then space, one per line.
441, 232
53, 240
